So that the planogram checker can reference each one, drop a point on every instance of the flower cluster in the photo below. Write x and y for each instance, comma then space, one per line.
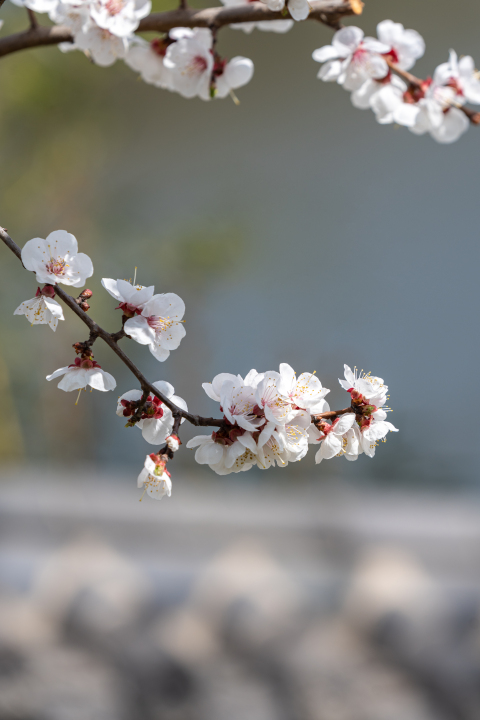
271, 418
359, 431
375, 71
182, 61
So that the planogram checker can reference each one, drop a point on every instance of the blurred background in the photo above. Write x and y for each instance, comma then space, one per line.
297, 230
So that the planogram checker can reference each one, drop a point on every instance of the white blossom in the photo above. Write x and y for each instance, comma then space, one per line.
191, 63
72, 15
159, 326
57, 260
371, 387
147, 59
436, 107
333, 437
239, 404
120, 17
132, 298
41, 310
157, 419
303, 392
406, 46
82, 373
226, 450
155, 478
231, 75
372, 430
100, 44
352, 59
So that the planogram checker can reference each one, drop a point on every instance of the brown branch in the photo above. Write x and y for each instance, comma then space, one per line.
34, 38
416, 82
332, 414
328, 12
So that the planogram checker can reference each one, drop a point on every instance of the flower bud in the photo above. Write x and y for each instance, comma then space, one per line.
173, 442
86, 294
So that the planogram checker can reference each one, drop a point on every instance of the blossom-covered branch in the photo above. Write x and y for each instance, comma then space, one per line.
328, 12
269, 418
184, 57
376, 72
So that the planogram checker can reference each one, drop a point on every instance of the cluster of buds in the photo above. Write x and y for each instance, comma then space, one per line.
82, 300
150, 409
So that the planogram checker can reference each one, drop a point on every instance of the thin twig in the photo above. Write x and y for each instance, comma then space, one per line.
33, 19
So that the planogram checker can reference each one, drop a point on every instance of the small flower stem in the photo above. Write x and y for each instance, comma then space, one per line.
33, 19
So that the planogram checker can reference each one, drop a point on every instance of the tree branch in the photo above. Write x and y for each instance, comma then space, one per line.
328, 12
97, 331
147, 387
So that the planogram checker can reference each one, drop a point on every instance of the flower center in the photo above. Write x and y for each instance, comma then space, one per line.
56, 267
159, 324
197, 65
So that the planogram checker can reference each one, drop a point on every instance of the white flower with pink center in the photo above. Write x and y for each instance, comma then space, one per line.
373, 428
406, 46
370, 387
239, 404
132, 298
84, 372
190, 60
352, 59
155, 478
57, 260
42, 309
276, 408
120, 17
304, 392
160, 325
